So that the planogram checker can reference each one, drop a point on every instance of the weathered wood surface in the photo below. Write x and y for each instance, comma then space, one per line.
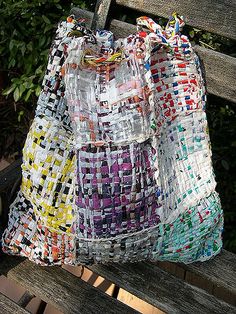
25, 299
170, 294
122, 29
9, 307
214, 16
220, 271
216, 276
10, 175
145, 280
100, 14
219, 68
60, 288
220, 72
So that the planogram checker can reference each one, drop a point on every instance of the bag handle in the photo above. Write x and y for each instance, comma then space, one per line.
148, 23
156, 30
173, 27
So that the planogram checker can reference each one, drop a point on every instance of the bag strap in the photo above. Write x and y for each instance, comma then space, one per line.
173, 27
150, 24
156, 30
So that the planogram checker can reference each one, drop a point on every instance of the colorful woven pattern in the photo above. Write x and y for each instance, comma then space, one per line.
117, 163
108, 102
48, 179
116, 190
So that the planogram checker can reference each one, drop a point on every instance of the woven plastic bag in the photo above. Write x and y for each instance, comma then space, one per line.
117, 163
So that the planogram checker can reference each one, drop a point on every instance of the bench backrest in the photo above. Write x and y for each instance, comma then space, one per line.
216, 17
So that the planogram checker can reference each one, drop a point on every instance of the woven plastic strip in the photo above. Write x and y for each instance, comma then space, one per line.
108, 100
116, 190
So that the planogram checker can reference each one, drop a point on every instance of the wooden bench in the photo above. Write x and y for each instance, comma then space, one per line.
208, 287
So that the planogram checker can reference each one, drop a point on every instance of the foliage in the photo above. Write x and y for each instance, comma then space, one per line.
26, 32
222, 125
26, 29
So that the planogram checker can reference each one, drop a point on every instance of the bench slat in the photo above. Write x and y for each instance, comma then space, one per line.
220, 271
220, 72
213, 16
216, 276
7, 306
60, 288
101, 13
168, 293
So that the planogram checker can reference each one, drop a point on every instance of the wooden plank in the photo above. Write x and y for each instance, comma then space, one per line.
172, 268
60, 288
94, 20
122, 29
219, 68
213, 16
138, 304
219, 271
100, 15
25, 299
220, 72
7, 306
151, 284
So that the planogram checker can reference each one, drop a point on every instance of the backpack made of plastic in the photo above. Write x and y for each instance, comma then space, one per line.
117, 163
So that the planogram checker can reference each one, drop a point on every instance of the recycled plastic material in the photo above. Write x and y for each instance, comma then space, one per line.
117, 163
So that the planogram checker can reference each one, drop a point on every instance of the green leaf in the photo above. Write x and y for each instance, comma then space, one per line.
21, 89
11, 63
31, 78
26, 84
47, 28
42, 41
225, 164
16, 80
16, 94
58, 6
20, 114
30, 46
11, 44
22, 49
28, 67
9, 90
39, 70
46, 20
28, 94
192, 33
38, 90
